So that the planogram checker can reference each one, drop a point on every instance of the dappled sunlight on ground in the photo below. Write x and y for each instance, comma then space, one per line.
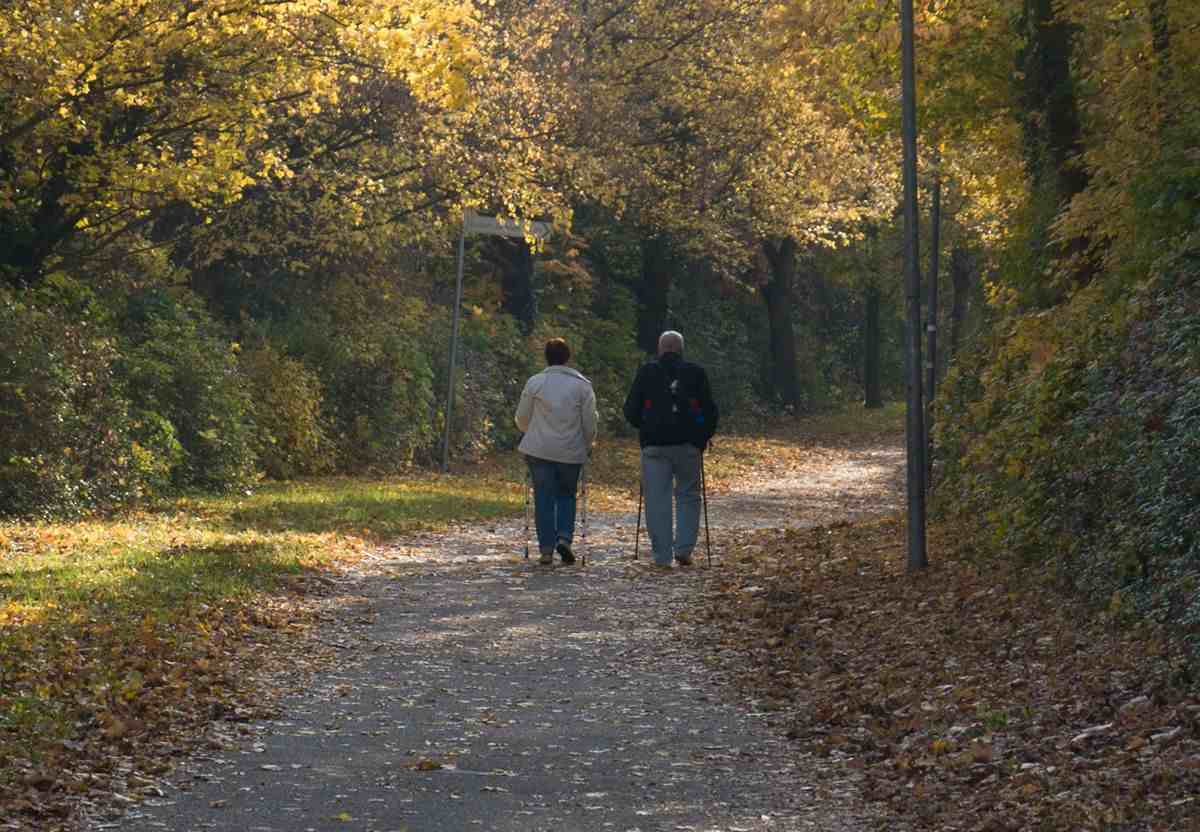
483, 690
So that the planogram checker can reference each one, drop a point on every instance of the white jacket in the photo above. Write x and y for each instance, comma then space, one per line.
557, 414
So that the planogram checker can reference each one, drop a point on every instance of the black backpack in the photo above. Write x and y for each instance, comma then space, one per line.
673, 407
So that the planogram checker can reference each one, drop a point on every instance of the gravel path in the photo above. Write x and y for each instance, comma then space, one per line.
486, 692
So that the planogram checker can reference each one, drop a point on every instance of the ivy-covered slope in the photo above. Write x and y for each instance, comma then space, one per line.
1071, 440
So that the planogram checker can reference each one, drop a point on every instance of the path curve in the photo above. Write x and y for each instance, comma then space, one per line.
486, 692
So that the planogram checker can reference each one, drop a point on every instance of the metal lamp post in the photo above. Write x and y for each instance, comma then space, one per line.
915, 423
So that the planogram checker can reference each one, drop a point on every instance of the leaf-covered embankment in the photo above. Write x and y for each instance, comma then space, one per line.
969, 697
1070, 440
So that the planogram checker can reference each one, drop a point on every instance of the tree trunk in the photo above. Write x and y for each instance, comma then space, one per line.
1053, 134
931, 313
654, 292
513, 260
960, 275
778, 295
873, 395
934, 276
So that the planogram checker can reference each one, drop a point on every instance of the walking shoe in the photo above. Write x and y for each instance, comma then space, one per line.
683, 560
546, 559
564, 550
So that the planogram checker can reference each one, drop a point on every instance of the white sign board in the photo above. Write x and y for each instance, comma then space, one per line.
479, 224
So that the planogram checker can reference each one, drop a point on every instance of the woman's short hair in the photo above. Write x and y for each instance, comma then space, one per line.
557, 351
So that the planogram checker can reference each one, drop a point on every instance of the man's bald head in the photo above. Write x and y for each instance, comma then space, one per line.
670, 341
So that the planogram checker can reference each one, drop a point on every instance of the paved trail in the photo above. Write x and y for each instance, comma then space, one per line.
489, 693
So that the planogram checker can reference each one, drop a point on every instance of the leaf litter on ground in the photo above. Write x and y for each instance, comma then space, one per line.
970, 696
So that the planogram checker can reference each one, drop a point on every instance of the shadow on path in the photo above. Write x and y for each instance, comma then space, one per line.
490, 693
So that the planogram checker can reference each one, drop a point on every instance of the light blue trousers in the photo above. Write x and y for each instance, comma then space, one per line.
671, 485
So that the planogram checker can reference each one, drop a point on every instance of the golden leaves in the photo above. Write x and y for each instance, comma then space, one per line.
198, 105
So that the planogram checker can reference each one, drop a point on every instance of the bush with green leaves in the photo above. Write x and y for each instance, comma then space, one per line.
609, 356
494, 361
1162, 469
372, 349
1072, 440
290, 435
179, 368
383, 399
65, 444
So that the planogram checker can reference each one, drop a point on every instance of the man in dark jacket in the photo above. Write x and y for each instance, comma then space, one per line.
671, 405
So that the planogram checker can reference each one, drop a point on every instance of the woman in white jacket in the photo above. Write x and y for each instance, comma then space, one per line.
557, 414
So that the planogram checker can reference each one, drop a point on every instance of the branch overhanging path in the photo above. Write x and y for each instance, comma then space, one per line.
487, 692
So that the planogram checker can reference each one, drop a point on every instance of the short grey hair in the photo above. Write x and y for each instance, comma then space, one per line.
670, 341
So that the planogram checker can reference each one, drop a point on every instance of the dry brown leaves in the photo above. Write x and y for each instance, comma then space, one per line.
136, 702
968, 698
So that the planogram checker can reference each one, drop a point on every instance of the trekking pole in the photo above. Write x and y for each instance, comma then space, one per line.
583, 529
637, 535
528, 489
704, 499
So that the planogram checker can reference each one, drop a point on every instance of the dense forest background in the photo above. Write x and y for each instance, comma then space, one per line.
227, 239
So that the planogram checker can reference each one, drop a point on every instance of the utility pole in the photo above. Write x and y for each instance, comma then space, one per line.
915, 423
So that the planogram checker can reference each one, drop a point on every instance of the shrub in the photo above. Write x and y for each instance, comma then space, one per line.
370, 347
383, 398
609, 357
495, 360
178, 369
1162, 395
289, 433
64, 445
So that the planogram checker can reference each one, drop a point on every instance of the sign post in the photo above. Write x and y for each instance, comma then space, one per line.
488, 226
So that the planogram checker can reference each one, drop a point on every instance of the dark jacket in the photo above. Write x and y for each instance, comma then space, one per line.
686, 416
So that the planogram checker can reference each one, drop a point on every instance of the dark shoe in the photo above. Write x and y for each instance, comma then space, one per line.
564, 551
546, 558
683, 560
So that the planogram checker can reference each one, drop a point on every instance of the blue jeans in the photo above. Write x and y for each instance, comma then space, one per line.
554, 485
667, 469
